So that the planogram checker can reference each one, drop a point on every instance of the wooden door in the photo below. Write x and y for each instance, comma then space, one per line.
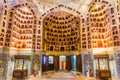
44, 63
47, 63
51, 63
68, 63
56, 62
79, 63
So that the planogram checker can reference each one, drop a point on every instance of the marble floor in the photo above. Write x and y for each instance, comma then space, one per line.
60, 75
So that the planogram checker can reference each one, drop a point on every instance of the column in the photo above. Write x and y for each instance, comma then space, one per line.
56, 62
79, 63
68, 62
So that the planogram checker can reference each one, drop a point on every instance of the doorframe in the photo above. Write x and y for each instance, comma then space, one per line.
60, 63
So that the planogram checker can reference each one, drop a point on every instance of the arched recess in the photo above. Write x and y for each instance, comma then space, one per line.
100, 24
5, 20
61, 30
23, 30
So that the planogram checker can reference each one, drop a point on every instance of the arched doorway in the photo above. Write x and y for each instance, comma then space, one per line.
62, 62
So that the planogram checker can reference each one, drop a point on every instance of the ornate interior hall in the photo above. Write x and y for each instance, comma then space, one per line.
59, 39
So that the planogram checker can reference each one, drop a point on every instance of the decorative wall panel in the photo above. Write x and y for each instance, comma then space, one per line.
3, 65
88, 64
10, 68
35, 63
118, 64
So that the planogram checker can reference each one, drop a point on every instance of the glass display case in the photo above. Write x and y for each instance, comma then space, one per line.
20, 66
102, 66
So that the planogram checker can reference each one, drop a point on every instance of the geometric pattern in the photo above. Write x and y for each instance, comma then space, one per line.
35, 62
3, 64
60, 75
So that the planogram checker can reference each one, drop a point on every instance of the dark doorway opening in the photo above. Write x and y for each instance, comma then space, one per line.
51, 48
61, 48
51, 63
73, 48
73, 62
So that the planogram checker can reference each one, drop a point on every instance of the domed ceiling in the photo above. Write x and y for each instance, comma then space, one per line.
44, 5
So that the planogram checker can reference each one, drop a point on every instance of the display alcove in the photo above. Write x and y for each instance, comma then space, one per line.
20, 67
102, 66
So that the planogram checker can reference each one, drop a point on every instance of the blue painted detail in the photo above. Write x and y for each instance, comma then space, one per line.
73, 60
44, 59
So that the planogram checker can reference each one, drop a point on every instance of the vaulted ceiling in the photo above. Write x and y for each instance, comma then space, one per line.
44, 5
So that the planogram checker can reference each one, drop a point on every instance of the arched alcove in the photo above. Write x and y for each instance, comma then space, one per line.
23, 26
61, 30
100, 24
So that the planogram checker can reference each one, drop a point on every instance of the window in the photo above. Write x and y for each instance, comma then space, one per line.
87, 28
117, 8
100, 44
35, 22
73, 48
115, 37
5, 12
83, 30
9, 25
2, 30
119, 19
83, 20
51, 60
51, 48
112, 10
3, 24
11, 14
61, 48
39, 22
38, 31
113, 21
5, 6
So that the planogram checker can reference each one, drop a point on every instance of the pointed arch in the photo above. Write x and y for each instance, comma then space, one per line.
95, 7
24, 17
64, 10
